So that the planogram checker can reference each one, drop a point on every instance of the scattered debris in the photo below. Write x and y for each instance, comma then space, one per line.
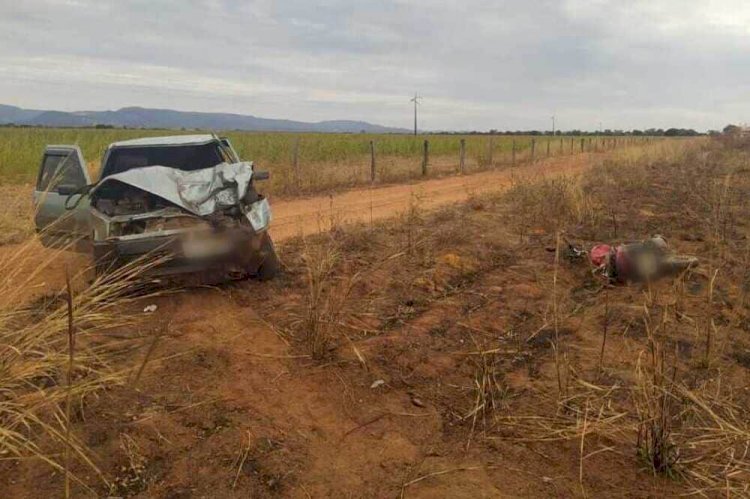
571, 252
149, 309
417, 402
377, 383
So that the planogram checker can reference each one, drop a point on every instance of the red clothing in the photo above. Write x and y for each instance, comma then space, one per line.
600, 254
613, 262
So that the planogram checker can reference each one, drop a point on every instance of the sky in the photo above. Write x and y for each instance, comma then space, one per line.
479, 64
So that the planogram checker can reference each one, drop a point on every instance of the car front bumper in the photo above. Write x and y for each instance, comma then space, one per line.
166, 255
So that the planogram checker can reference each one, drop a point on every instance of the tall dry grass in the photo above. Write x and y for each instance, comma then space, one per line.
17, 214
325, 299
691, 426
55, 351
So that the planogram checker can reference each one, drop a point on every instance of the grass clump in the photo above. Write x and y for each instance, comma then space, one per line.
55, 351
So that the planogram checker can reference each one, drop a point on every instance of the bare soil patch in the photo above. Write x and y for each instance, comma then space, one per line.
449, 353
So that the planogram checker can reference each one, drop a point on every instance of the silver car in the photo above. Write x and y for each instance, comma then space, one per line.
187, 197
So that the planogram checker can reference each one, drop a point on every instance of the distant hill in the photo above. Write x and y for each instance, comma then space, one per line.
139, 117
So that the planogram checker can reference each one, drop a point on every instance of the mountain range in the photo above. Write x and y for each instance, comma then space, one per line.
139, 117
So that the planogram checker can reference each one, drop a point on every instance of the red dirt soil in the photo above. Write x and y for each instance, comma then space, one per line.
236, 411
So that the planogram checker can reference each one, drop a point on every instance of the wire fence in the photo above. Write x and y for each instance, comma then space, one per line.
309, 163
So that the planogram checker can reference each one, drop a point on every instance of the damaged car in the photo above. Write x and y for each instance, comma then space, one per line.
188, 197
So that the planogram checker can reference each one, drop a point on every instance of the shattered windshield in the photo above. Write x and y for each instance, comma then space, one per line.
186, 157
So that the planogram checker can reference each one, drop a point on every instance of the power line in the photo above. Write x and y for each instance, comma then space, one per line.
415, 100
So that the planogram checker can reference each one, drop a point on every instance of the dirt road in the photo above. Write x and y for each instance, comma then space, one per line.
316, 214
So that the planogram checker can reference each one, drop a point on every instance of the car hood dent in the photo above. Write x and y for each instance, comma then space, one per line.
201, 192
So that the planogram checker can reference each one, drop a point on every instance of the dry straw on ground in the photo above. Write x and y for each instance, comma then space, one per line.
56, 351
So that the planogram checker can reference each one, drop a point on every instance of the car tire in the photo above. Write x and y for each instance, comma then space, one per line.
104, 260
271, 265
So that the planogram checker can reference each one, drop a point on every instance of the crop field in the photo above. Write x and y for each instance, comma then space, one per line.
300, 164
430, 338
309, 163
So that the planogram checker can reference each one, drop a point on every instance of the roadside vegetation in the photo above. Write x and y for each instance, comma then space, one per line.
482, 315
300, 164
61, 347
311, 163
461, 352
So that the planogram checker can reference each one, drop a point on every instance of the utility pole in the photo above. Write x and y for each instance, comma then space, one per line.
415, 100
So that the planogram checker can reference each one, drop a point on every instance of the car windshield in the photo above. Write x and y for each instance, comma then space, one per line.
186, 157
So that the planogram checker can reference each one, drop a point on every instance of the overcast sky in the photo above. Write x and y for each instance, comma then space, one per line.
479, 64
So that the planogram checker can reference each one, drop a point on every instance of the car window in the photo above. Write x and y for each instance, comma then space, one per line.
191, 157
60, 169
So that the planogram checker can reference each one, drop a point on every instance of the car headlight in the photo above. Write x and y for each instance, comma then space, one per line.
259, 215
100, 225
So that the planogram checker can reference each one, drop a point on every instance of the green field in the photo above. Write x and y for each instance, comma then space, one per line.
323, 160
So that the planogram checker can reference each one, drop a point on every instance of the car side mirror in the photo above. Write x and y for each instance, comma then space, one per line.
74, 197
261, 175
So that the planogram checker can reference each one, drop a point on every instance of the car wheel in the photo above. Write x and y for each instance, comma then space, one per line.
271, 264
104, 260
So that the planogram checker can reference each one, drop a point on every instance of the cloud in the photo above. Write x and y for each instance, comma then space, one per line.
480, 64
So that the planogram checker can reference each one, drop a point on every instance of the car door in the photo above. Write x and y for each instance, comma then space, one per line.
62, 212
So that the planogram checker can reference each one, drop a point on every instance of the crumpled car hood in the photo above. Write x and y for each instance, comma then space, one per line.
201, 192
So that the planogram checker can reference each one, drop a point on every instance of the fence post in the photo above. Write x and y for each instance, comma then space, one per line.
615, 142
372, 161
425, 157
492, 147
589, 143
533, 147
583, 141
561, 146
513, 154
571, 144
462, 156
295, 163
548, 148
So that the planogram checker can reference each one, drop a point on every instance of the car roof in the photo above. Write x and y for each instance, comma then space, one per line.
172, 140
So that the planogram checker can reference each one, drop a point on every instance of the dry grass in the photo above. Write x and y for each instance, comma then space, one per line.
329, 308
537, 374
695, 431
489, 389
553, 203
325, 299
37, 354
654, 403
17, 215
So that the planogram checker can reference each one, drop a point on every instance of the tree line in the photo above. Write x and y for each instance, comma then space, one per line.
650, 132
